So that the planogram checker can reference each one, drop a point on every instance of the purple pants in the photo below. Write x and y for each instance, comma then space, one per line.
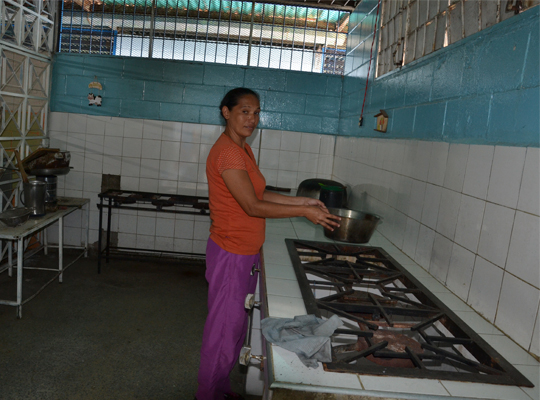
230, 280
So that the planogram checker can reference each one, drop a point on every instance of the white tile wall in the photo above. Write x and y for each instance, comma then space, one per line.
460, 271
523, 254
440, 257
448, 213
529, 192
506, 173
169, 157
517, 295
478, 171
468, 214
456, 166
496, 233
287, 158
469, 222
485, 288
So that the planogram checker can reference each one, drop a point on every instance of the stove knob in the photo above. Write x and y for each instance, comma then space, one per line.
245, 355
249, 302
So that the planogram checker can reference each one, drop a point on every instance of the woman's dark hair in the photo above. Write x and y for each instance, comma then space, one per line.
233, 96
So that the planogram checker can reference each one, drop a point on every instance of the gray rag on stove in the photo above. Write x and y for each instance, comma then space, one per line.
306, 335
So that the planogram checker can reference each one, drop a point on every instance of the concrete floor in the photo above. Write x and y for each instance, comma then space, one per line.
132, 332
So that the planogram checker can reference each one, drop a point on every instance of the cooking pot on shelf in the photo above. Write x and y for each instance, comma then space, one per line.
47, 162
34, 193
355, 226
312, 188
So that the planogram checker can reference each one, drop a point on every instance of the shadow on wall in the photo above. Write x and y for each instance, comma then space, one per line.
357, 198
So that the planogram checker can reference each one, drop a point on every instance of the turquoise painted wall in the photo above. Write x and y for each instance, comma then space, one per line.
482, 90
191, 92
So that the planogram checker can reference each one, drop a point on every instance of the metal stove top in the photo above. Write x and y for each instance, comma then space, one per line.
156, 201
393, 325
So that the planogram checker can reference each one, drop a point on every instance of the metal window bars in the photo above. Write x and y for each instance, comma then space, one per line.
411, 29
230, 32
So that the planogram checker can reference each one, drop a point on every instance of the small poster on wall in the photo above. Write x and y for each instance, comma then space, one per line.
382, 121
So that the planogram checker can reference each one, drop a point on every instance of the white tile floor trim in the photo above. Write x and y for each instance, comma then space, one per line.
285, 301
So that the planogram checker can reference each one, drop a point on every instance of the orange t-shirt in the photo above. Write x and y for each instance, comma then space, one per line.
232, 229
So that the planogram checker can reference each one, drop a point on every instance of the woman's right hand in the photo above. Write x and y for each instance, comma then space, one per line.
322, 217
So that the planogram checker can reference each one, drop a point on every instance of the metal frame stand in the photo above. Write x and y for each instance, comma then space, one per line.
24, 232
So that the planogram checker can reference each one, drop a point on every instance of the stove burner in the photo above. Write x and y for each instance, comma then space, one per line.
122, 198
396, 342
393, 325
160, 203
125, 200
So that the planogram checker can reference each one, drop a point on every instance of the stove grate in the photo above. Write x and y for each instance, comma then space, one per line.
393, 325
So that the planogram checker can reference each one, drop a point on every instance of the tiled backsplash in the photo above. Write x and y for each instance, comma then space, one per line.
469, 214
167, 157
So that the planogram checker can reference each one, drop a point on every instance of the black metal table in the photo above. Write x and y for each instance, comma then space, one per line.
144, 201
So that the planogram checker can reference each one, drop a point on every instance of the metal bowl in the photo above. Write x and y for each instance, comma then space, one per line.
355, 226
15, 216
48, 171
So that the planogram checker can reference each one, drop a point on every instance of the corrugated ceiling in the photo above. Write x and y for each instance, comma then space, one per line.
302, 14
341, 5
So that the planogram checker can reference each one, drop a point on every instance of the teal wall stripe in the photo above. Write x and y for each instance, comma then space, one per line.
481, 90
191, 92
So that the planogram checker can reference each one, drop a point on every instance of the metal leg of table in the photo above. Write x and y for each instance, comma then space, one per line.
45, 241
20, 253
10, 258
100, 234
109, 215
60, 247
87, 235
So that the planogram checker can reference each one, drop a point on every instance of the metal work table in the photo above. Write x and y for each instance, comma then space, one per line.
24, 232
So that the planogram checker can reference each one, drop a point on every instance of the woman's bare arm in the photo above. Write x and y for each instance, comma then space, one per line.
292, 200
242, 190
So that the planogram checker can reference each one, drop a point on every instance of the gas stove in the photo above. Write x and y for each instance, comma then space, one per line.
156, 201
115, 199
393, 325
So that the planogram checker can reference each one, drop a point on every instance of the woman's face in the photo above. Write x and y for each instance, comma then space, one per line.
243, 118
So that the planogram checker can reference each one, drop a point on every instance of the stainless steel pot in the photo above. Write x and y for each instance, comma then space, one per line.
34, 197
50, 187
312, 187
355, 226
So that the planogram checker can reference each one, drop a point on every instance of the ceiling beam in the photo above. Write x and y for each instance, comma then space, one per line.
313, 4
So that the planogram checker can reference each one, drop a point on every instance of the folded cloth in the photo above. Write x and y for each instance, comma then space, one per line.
306, 335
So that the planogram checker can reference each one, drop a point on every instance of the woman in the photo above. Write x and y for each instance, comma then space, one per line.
239, 205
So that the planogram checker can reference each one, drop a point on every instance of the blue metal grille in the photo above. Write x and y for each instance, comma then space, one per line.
230, 32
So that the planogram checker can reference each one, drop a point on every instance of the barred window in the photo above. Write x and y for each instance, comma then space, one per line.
232, 32
411, 29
